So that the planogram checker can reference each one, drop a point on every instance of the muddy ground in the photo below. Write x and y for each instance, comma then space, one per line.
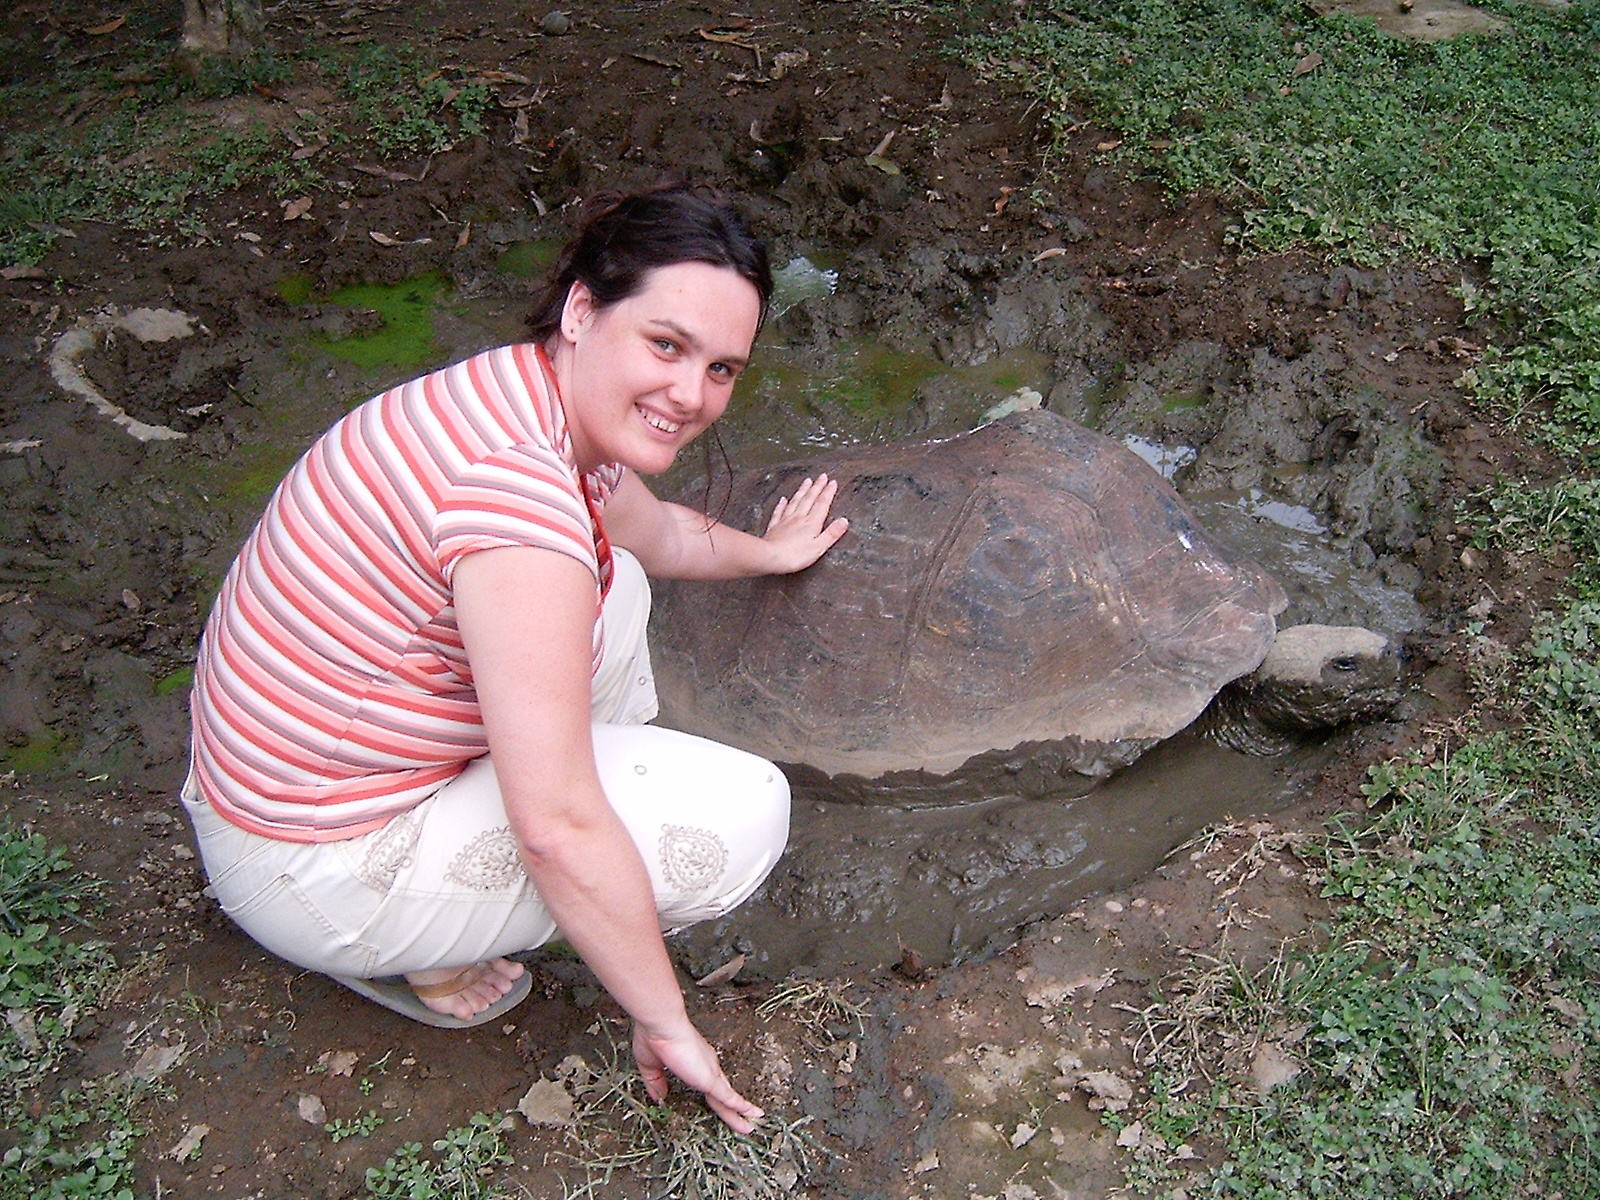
1326, 388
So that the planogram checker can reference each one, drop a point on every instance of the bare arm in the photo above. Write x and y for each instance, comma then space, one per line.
532, 675
674, 542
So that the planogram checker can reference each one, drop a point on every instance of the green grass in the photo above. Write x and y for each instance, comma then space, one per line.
1446, 1023
79, 1143
463, 1169
1478, 150
1527, 520
146, 157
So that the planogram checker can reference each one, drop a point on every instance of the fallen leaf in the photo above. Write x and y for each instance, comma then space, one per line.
727, 38
723, 973
1052, 252
156, 1061
396, 176
296, 209
1110, 1091
546, 1103
883, 164
189, 1142
928, 1162
519, 128
1107, 147
108, 27
503, 77
1307, 64
653, 59
946, 101
383, 239
339, 1062
311, 1109
23, 273
1271, 1068
785, 61
464, 236
20, 1019
1023, 1135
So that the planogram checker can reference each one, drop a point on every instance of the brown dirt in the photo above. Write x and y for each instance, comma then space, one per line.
105, 567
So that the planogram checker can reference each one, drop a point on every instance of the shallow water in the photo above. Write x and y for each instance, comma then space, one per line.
859, 885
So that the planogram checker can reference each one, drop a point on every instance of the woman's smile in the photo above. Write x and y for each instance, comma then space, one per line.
644, 377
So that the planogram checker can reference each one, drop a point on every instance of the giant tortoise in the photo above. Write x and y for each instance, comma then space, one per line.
1028, 593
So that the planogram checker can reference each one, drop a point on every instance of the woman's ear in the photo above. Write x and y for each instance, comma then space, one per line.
578, 310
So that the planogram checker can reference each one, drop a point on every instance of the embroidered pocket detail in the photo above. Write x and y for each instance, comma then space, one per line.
389, 851
692, 859
488, 863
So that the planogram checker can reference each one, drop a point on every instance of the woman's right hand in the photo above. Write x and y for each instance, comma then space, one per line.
693, 1060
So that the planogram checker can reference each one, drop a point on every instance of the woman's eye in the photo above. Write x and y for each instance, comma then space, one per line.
722, 371
666, 345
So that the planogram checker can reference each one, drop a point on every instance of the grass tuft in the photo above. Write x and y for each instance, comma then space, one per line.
679, 1149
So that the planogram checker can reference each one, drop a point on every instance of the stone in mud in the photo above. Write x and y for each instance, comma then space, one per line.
1029, 598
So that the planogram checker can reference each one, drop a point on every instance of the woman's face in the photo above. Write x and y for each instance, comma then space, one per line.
642, 378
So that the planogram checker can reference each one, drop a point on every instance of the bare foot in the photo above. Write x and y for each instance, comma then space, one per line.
464, 992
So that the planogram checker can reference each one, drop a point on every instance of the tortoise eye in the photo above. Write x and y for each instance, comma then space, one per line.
1345, 663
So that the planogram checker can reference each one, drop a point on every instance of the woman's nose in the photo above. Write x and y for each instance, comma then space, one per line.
687, 389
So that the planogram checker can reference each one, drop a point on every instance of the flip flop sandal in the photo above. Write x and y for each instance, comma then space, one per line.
395, 994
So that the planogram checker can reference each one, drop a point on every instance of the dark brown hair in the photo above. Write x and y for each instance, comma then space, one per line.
623, 238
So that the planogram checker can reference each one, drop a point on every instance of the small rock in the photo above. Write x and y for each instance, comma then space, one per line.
311, 1109
1023, 1135
555, 24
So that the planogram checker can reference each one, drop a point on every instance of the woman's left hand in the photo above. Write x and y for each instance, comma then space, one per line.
799, 532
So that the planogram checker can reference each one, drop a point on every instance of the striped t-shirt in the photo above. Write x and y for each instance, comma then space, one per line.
332, 691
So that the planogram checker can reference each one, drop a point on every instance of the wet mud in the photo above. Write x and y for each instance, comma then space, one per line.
1307, 410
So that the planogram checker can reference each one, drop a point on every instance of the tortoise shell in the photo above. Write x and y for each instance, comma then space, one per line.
1030, 581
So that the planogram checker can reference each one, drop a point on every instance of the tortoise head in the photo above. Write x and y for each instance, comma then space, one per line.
1321, 676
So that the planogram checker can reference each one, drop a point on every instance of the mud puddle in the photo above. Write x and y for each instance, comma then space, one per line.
864, 887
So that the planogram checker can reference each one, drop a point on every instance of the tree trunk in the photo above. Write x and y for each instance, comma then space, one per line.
218, 29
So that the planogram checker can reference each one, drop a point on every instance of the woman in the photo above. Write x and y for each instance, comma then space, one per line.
418, 706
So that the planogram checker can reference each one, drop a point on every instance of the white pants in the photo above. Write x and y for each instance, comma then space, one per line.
441, 885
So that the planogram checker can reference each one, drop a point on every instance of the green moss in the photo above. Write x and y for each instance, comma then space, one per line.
528, 260
177, 681
407, 336
295, 289
877, 379
42, 751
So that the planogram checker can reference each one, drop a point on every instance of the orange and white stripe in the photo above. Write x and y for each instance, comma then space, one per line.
331, 690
